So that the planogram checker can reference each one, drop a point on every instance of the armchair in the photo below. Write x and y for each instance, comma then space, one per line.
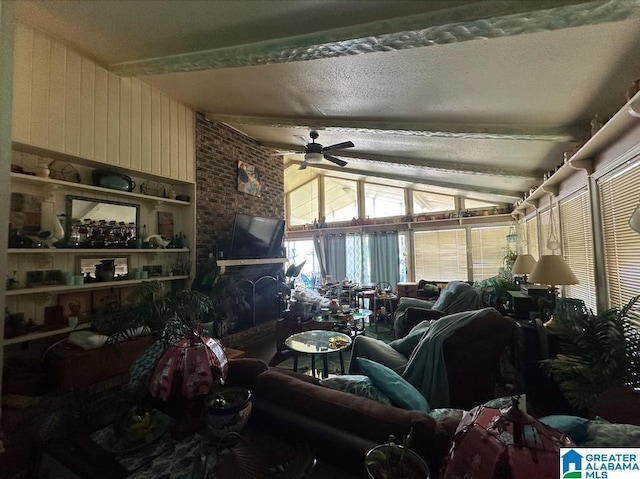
453, 361
458, 296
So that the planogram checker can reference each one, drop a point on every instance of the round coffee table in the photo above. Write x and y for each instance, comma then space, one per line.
318, 342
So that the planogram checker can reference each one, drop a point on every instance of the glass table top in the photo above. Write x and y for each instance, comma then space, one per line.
318, 342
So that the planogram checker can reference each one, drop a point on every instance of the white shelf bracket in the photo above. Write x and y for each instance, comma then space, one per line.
633, 110
51, 189
586, 165
551, 189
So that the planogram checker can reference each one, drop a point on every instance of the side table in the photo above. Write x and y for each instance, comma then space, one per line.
318, 342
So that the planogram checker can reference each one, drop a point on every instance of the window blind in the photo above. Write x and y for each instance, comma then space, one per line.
619, 195
577, 247
441, 255
488, 248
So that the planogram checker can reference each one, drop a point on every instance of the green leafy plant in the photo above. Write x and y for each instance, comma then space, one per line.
228, 300
395, 461
171, 315
600, 351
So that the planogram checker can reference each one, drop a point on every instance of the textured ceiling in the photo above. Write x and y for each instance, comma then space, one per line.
472, 98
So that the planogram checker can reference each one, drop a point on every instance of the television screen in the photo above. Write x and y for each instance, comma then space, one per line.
256, 238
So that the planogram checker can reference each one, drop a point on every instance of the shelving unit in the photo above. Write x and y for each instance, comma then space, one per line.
63, 288
71, 186
625, 118
94, 252
44, 334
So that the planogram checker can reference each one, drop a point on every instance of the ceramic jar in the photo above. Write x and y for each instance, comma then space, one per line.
105, 271
42, 170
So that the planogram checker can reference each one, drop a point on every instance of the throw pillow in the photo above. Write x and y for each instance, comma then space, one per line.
406, 345
601, 433
401, 392
357, 384
573, 426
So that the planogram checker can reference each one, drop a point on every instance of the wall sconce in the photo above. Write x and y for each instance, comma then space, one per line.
524, 265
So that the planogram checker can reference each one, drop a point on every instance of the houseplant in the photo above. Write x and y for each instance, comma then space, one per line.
228, 300
599, 352
395, 461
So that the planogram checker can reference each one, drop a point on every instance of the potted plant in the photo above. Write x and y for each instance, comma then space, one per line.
394, 461
228, 300
599, 352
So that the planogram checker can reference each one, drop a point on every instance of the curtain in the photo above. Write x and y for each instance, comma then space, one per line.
318, 246
355, 264
385, 263
335, 251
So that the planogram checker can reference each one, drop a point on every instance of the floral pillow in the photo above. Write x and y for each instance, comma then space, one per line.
357, 384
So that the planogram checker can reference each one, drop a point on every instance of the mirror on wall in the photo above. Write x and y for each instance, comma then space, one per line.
94, 224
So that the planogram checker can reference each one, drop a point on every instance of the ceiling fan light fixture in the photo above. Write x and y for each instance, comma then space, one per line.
313, 157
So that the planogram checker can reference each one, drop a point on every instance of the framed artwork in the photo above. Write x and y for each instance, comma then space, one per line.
103, 300
165, 224
249, 179
26, 213
76, 304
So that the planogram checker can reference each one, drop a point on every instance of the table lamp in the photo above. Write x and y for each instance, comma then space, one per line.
523, 265
553, 270
189, 369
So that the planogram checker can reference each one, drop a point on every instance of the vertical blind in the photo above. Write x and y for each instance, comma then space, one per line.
441, 255
488, 248
619, 195
577, 247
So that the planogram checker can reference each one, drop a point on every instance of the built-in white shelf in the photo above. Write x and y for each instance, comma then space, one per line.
95, 252
401, 226
224, 263
63, 288
618, 124
71, 186
44, 334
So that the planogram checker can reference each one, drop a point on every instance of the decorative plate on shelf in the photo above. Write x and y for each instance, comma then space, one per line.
61, 170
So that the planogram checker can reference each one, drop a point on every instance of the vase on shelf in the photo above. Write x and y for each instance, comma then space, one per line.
105, 271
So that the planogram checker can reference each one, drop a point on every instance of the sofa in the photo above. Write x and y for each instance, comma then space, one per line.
341, 427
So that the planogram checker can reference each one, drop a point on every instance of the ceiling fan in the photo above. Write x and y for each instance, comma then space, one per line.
315, 152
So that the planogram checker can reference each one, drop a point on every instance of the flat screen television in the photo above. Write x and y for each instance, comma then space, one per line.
256, 238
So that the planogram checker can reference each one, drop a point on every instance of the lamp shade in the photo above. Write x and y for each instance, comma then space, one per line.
553, 270
524, 264
313, 157
194, 363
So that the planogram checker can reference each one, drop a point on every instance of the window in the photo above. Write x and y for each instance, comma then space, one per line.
340, 199
577, 247
303, 204
425, 202
441, 255
303, 250
382, 201
476, 204
488, 249
618, 199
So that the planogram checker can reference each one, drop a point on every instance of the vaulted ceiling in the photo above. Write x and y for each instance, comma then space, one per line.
475, 98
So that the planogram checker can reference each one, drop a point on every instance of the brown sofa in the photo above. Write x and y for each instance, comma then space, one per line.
341, 427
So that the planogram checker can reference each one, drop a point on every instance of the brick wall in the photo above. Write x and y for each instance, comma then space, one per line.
218, 149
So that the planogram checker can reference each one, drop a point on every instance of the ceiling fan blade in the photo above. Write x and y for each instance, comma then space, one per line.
303, 165
335, 160
339, 146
